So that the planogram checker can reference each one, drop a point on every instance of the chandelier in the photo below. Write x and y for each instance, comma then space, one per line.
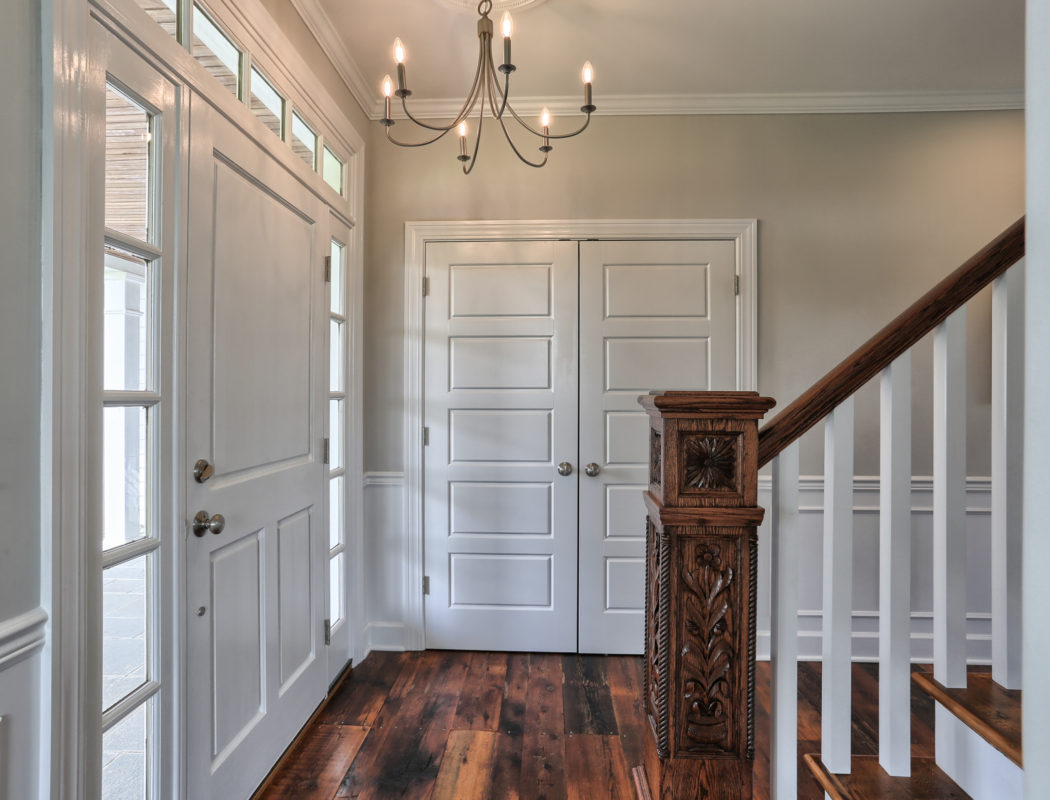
487, 91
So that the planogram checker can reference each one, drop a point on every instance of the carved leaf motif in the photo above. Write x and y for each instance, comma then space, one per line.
708, 651
655, 456
710, 463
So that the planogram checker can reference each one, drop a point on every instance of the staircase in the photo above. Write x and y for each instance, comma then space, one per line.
978, 714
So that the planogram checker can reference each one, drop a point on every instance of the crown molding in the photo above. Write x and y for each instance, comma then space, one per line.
320, 25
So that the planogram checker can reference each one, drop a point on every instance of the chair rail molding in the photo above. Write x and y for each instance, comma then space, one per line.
744, 232
21, 635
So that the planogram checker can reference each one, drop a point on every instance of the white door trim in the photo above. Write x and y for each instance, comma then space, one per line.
744, 232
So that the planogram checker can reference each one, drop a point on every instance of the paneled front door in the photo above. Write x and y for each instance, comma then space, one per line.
255, 393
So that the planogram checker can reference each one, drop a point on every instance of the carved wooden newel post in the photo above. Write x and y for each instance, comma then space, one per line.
701, 561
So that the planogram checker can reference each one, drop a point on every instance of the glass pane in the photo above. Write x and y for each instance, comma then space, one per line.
332, 170
267, 104
163, 12
126, 475
126, 756
335, 347
338, 270
128, 322
335, 589
214, 50
125, 628
335, 511
304, 141
128, 148
335, 434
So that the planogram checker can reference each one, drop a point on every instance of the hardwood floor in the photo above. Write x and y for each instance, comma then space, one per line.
442, 725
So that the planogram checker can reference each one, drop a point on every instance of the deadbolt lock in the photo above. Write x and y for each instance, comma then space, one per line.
202, 470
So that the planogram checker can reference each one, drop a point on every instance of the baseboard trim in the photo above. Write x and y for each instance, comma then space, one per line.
389, 636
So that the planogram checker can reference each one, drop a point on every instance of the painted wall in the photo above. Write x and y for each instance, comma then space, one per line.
858, 215
19, 394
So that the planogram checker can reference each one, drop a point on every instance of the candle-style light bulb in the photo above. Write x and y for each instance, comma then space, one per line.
399, 57
463, 142
545, 121
545, 118
388, 89
462, 130
588, 78
506, 24
588, 73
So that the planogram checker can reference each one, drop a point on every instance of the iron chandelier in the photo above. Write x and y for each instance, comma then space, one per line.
486, 88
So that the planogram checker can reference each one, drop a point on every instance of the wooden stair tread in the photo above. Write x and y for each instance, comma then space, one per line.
868, 781
993, 712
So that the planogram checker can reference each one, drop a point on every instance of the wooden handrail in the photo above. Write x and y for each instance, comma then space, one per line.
882, 349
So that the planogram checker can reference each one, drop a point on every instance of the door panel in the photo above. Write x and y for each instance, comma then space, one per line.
255, 317
653, 315
501, 389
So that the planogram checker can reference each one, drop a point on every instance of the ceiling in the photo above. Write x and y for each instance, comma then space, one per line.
694, 56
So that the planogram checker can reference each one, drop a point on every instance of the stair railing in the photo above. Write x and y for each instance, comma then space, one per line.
887, 355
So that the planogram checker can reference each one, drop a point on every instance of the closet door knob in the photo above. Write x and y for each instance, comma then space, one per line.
565, 468
592, 469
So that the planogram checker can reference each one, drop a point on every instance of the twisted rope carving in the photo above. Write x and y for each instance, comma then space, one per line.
663, 743
752, 613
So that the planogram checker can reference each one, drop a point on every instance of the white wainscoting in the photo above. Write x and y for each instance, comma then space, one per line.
388, 601
866, 568
21, 643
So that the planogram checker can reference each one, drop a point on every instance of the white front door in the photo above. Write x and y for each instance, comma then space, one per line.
653, 315
501, 409
254, 389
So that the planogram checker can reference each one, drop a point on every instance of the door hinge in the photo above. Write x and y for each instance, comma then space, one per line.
328, 631
426, 584
326, 447
426, 287
327, 269
736, 284
426, 437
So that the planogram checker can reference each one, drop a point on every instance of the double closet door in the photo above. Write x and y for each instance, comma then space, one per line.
537, 450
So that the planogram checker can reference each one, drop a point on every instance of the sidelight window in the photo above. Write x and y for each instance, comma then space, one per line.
337, 435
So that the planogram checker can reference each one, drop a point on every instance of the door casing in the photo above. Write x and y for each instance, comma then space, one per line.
744, 234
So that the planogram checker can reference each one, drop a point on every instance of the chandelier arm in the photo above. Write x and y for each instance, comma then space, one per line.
392, 140
514, 147
531, 130
468, 168
464, 112
494, 90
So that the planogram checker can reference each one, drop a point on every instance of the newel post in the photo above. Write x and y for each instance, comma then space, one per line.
701, 563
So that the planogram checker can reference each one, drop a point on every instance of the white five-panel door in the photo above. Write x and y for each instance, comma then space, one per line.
254, 389
536, 353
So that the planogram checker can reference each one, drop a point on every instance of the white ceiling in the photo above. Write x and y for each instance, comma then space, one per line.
694, 56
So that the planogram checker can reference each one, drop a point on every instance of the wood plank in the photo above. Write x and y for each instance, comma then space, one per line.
882, 349
482, 698
543, 752
595, 768
993, 712
630, 719
587, 702
467, 766
867, 781
316, 767
623, 675
359, 699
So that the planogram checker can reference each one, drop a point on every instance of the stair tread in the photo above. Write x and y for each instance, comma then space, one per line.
993, 712
868, 781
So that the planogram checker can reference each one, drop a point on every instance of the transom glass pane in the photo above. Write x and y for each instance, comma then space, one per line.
128, 322
126, 594
304, 141
164, 13
335, 511
335, 354
126, 475
126, 758
216, 53
338, 271
335, 434
267, 104
129, 145
332, 170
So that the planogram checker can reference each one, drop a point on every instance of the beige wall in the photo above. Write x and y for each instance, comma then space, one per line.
858, 215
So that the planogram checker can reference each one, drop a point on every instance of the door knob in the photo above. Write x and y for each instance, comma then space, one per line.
565, 468
202, 523
592, 469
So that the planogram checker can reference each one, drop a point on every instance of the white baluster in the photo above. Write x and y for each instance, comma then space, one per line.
1007, 473
895, 569
949, 501
784, 626
837, 638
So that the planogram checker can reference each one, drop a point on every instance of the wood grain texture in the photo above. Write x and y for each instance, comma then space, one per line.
867, 781
482, 698
543, 750
466, 768
992, 711
317, 765
882, 349
596, 768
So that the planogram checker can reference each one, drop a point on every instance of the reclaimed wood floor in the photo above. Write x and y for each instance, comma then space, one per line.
443, 725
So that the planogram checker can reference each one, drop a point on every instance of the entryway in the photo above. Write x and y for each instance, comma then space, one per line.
536, 452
